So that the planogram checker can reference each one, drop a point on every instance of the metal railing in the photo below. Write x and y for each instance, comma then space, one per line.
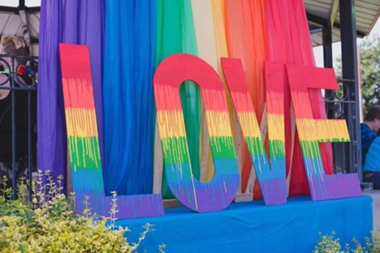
346, 156
18, 118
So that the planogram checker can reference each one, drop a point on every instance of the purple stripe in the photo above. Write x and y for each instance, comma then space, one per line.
325, 187
128, 206
274, 190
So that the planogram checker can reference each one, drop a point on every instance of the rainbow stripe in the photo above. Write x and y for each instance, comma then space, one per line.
312, 132
271, 175
85, 161
219, 192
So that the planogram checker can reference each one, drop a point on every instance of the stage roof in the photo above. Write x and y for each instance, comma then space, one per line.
319, 13
323, 12
11, 24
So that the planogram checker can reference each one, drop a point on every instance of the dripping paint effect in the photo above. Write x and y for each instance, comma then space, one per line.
221, 190
271, 175
312, 132
83, 142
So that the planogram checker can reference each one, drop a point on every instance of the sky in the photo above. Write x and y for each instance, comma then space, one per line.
318, 51
15, 2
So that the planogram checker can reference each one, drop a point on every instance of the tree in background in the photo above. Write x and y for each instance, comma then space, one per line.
369, 53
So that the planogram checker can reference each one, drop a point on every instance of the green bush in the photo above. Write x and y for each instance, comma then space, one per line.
48, 223
330, 244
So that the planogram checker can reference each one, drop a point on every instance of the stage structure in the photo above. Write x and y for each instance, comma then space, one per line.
206, 102
219, 193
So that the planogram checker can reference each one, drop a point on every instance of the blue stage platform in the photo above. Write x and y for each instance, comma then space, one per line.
253, 227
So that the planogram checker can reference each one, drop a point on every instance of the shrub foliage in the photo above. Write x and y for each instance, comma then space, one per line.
48, 223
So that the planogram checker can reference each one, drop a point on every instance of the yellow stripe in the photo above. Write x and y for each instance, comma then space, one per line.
322, 130
249, 125
276, 127
333, 129
218, 124
171, 124
81, 122
217, 11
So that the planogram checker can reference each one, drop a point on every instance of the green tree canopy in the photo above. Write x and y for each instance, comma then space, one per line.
369, 53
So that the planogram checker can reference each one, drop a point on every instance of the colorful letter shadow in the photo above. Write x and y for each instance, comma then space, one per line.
314, 131
86, 167
221, 190
271, 176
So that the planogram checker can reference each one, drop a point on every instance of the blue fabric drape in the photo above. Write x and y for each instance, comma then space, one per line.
50, 115
128, 96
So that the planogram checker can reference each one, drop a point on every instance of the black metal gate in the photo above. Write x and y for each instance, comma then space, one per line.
346, 156
18, 118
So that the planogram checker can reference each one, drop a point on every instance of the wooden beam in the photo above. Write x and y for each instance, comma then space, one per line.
316, 19
315, 29
333, 11
325, 22
358, 33
8, 9
33, 9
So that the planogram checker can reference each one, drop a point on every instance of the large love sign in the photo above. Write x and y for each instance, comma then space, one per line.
220, 191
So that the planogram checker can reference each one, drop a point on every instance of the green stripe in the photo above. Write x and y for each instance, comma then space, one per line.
80, 150
222, 147
277, 149
174, 150
310, 149
255, 146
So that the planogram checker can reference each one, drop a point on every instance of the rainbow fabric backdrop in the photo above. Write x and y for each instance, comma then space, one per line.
139, 36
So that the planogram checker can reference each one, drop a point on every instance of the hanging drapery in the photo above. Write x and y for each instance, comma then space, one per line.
212, 45
128, 96
67, 21
138, 35
278, 35
175, 34
289, 42
218, 14
51, 138
246, 40
83, 24
204, 30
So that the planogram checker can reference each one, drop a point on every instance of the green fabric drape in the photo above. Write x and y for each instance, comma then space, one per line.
176, 34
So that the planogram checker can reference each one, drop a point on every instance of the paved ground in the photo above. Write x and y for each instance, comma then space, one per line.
375, 194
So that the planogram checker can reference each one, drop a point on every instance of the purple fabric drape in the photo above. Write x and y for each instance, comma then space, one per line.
74, 22
83, 23
50, 115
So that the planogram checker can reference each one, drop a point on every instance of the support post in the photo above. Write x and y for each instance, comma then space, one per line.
350, 79
328, 63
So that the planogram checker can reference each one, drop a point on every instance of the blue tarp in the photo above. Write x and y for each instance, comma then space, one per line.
253, 227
